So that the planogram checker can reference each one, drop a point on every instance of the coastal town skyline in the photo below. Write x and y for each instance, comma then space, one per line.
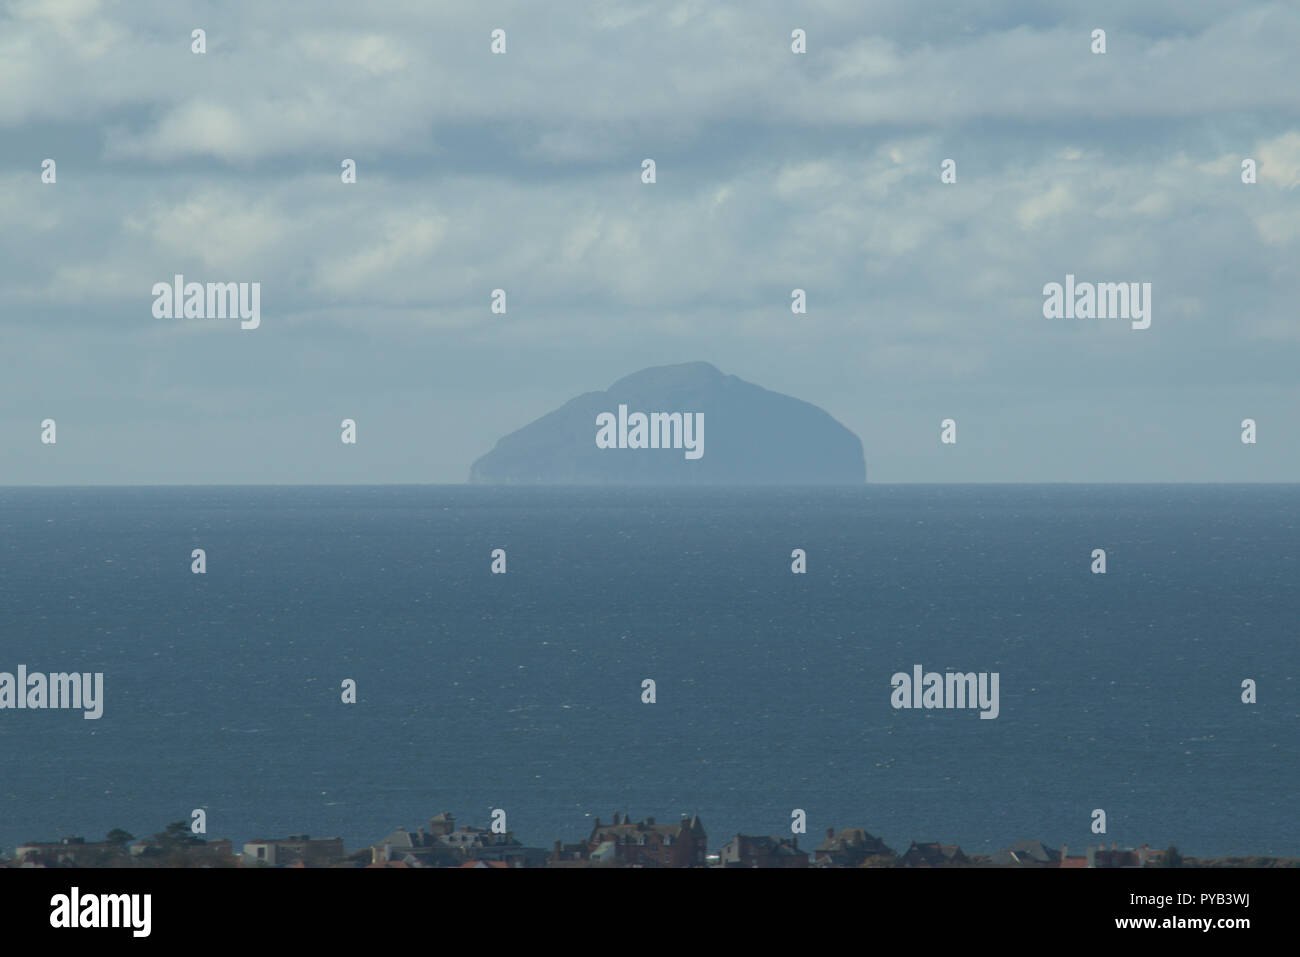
619, 842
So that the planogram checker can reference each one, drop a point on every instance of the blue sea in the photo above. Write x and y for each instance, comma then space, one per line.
522, 691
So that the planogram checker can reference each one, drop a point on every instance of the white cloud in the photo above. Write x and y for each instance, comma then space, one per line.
1279, 160
1045, 207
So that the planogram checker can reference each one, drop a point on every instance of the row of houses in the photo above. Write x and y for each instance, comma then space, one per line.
1037, 854
620, 842
78, 852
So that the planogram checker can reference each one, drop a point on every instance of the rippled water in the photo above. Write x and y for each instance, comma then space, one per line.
523, 691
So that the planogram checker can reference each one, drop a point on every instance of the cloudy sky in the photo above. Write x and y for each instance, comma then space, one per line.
522, 171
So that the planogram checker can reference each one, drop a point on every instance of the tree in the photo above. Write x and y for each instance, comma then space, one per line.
178, 835
1171, 858
119, 836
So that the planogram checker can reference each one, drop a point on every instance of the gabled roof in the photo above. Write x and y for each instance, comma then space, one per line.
399, 838
851, 837
639, 833
932, 852
780, 846
1036, 851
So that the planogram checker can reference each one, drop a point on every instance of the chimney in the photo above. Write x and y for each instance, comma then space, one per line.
597, 822
558, 851
830, 833
1065, 850
650, 821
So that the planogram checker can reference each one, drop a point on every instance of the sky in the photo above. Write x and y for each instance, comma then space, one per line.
522, 171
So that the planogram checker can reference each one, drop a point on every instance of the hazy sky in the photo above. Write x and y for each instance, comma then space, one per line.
522, 171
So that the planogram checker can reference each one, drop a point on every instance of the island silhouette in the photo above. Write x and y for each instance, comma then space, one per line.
685, 424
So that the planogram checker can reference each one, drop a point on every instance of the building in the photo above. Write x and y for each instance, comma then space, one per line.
509, 855
421, 849
1029, 854
321, 852
1128, 857
442, 824
849, 848
445, 845
647, 844
1037, 854
68, 852
218, 852
467, 839
484, 844
745, 851
78, 852
933, 854
570, 855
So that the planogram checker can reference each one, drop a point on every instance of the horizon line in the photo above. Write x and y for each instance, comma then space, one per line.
624, 485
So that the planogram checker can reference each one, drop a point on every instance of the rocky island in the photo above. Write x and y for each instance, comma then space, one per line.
650, 429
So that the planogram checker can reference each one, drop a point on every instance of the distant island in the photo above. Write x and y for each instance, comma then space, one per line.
686, 424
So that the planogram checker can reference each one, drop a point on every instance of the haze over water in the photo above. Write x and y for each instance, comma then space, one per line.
523, 691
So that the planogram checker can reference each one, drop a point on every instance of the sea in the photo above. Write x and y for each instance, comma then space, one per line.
223, 691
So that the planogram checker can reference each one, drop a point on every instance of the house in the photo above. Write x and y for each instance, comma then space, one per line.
156, 852
745, 851
569, 855
1028, 854
647, 844
1129, 857
484, 844
442, 824
468, 838
421, 849
445, 845
850, 848
69, 852
320, 852
218, 852
933, 854
509, 855
465, 839
1149, 858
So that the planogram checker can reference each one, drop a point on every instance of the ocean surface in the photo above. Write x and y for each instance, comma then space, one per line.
522, 691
